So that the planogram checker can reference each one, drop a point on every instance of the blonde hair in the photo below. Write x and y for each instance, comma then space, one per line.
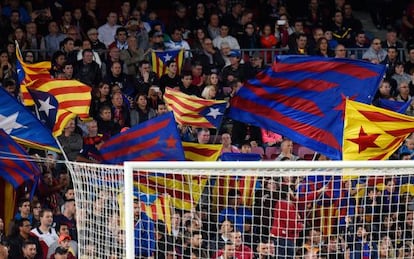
206, 92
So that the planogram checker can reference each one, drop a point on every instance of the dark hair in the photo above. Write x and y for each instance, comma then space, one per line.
21, 201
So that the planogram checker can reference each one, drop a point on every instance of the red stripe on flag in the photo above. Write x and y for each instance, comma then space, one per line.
306, 84
201, 151
382, 117
158, 188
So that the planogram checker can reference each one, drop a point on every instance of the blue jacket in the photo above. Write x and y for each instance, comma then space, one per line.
144, 236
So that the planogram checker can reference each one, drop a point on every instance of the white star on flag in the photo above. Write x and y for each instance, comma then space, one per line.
8, 124
214, 112
45, 106
167, 57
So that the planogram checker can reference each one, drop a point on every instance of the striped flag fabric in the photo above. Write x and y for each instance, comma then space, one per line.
154, 140
194, 111
160, 58
303, 99
223, 184
27, 73
185, 191
395, 106
201, 152
15, 166
20, 123
372, 133
157, 207
58, 101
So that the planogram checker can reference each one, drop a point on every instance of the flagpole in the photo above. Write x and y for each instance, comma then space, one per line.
63, 152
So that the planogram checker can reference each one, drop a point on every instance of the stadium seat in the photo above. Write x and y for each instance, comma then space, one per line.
302, 151
270, 151
258, 150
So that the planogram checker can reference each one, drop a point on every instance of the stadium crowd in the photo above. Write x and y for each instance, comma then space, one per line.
226, 42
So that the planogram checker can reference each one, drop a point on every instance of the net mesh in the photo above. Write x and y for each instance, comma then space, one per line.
249, 212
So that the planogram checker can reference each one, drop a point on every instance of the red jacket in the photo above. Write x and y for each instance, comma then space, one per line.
286, 222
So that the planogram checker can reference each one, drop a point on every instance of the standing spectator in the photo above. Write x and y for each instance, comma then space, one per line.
108, 30
100, 97
227, 252
391, 40
180, 21
242, 250
375, 54
24, 210
195, 246
86, 70
391, 61
199, 20
36, 40
400, 76
203, 136
45, 232
29, 250
120, 111
341, 31
124, 13
268, 41
67, 218
249, 39
349, 20
125, 82
87, 44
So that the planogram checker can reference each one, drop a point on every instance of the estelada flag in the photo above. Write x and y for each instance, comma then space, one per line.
372, 133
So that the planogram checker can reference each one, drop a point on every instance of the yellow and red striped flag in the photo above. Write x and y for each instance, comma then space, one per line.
201, 152
372, 133
245, 184
194, 111
58, 101
27, 73
185, 190
160, 58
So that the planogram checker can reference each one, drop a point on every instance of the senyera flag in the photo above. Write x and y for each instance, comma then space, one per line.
303, 99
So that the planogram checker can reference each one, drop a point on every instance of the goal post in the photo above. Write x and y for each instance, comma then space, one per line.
207, 187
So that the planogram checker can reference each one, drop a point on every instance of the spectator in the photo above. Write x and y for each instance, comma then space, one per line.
222, 237
227, 146
142, 111
241, 250
29, 250
340, 51
375, 54
225, 37
180, 21
21, 234
349, 20
86, 44
209, 57
409, 65
171, 78
295, 30
36, 40
53, 39
24, 210
154, 97
120, 42
322, 48
4, 252
86, 70
71, 141
203, 136
145, 77
125, 82
187, 86
391, 61
61, 252
213, 27
96, 44
177, 42
132, 56
106, 126
300, 46
100, 97
199, 20
399, 75
45, 232
235, 70
120, 110
195, 245
360, 44
144, 230
63, 232
391, 40
286, 148
108, 30
227, 252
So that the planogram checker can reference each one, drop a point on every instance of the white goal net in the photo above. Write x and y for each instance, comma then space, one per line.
245, 209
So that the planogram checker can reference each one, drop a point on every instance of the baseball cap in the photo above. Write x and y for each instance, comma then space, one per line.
64, 237
234, 53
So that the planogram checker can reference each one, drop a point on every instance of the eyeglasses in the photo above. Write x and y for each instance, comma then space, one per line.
26, 226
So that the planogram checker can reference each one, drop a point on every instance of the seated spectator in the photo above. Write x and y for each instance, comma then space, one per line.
62, 252
106, 126
322, 48
29, 250
108, 30
227, 146
375, 53
86, 44
116, 77
286, 148
70, 141
186, 85
87, 70
360, 43
241, 250
142, 111
222, 237
224, 36
24, 210
120, 110
391, 61
100, 97
195, 245
340, 51
171, 78
399, 75
177, 42
235, 70
154, 97
300, 47
246, 148
21, 234
145, 77
96, 45
209, 57
227, 252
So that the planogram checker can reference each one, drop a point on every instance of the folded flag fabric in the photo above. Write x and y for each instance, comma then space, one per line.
240, 157
160, 58
59, 101
372, 133
27, 73
154, 140
15, 166
303, 99
194, 111
201, 152
395, 106
20, 123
